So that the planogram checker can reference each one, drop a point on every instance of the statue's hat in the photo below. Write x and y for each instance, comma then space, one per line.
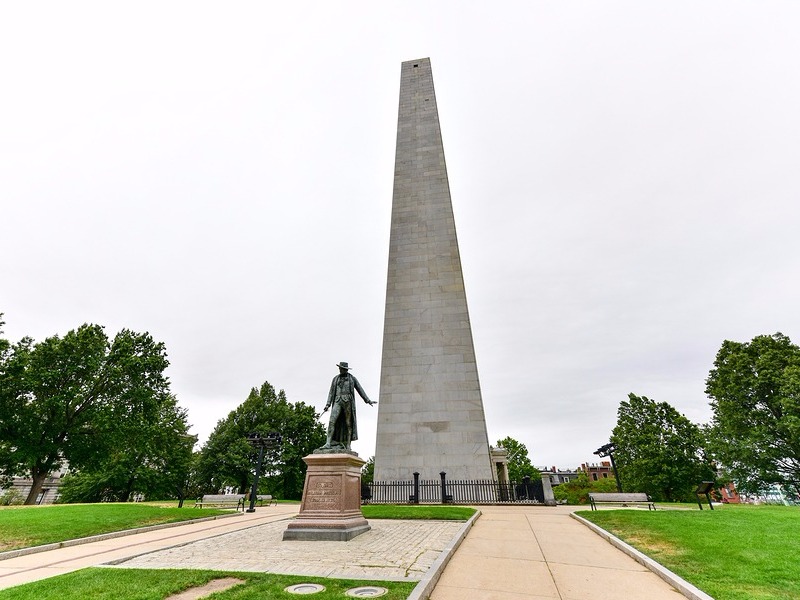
343, 365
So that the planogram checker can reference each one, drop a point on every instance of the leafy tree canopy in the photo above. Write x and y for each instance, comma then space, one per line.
83, 398
227, 459
368, 471
658, 450
754, 391
151, 454
3, 342
519, 464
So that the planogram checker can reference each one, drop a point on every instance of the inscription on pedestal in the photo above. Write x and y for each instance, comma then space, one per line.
323, 492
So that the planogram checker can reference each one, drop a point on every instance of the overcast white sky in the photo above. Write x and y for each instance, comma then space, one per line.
624, 178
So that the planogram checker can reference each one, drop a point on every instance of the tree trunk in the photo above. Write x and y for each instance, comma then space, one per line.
128, 490
38, 476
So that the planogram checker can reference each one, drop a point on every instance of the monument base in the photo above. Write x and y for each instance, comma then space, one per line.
326, 532
331, 507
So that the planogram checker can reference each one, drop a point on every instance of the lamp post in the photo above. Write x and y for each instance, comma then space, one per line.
608, 450
190, 441
271, 440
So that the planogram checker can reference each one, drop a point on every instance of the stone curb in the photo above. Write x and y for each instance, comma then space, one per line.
105, 536
423, 589
680, 584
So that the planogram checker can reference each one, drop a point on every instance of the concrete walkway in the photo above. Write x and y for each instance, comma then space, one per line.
541, 553
511, 553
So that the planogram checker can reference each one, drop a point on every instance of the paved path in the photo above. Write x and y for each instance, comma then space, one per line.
511, 553
391, 550
541, 553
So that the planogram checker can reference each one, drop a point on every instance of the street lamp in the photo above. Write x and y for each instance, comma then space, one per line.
271, 440
608, 450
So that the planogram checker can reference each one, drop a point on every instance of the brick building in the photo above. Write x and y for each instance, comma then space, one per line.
597, 471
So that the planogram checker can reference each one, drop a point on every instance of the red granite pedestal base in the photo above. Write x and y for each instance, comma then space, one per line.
331, 508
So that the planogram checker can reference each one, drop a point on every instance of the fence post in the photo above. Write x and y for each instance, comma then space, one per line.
416, 488
526, 486
444, 487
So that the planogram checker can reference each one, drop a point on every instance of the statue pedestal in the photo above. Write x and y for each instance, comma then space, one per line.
331, 508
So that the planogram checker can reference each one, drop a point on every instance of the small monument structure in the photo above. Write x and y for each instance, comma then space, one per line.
331, 506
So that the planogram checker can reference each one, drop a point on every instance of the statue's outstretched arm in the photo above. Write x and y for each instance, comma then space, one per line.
362, 393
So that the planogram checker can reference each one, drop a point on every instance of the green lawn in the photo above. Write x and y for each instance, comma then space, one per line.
732, 553
423, 511
157, 584
24, 526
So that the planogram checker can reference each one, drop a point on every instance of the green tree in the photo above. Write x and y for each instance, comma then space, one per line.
80, 399
754, 391
519, 465
658, 450
368, 471
151, 454
227, 459
183, 476
4, 345
6, 449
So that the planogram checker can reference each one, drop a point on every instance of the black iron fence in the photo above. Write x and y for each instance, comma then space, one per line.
444, 491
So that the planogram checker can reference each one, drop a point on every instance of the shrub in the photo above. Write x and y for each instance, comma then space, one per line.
11, 496
577, 490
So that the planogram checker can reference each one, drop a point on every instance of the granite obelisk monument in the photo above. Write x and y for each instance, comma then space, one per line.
430, 410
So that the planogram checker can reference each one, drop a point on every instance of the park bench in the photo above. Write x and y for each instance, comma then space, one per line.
220, 501
264, 498
625, 499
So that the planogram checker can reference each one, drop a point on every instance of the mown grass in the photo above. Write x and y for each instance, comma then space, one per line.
157, 584
190, 502
732, 553
397, 511
25, 526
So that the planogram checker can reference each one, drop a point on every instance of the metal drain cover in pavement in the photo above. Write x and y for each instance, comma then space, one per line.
304, 588
367, 591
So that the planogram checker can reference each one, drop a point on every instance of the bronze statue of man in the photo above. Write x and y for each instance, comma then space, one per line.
342, 428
